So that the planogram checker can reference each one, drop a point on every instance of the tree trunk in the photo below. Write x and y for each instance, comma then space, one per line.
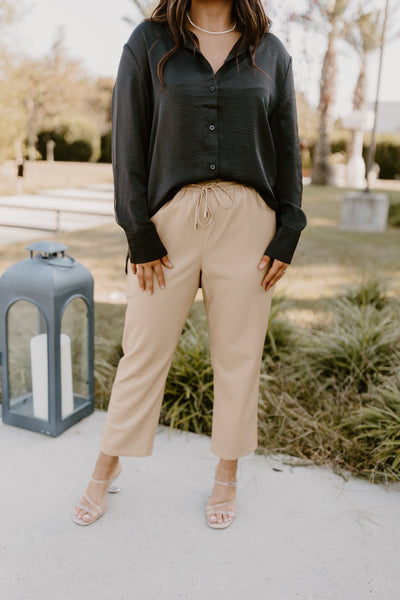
321, 167
360, 91
359, 99
30, 127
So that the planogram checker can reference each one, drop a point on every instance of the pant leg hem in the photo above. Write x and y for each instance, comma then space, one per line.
228, 456
127, 451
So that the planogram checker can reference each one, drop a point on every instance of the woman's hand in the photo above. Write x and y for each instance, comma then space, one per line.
275, 272
144, 272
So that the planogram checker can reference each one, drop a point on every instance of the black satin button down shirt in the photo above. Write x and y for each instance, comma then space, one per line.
237, 124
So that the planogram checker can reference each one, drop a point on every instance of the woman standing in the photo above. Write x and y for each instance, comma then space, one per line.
208, 188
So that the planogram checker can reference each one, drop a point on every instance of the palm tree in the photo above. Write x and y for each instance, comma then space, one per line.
328, 17
364, 34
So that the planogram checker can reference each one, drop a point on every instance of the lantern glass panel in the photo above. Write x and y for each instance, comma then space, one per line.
27, 360
74, 355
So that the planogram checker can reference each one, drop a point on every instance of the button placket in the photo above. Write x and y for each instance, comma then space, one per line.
213, 139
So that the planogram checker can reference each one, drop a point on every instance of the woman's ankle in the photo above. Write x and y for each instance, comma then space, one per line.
228, 464
227, 467
105, 465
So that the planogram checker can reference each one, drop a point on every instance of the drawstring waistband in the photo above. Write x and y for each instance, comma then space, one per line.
203, 199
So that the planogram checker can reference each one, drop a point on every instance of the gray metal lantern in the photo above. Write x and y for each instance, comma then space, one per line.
46, 340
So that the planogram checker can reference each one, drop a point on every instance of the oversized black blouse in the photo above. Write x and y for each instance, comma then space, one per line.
237, 124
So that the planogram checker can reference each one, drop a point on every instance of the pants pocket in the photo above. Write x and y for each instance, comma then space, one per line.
263, 205
163, 208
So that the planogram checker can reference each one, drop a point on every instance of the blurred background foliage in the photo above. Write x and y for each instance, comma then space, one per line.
50, 98
53, 98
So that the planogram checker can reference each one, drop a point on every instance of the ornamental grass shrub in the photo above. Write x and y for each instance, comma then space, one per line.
316, 401
329, 392
375, 427
355, 351
188, 396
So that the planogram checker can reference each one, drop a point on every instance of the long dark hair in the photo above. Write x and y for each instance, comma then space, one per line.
249, 16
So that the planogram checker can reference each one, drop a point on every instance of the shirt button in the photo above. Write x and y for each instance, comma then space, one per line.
212, 88
212, 127
212, 166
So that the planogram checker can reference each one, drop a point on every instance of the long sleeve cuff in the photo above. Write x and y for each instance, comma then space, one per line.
145, 244
283, 244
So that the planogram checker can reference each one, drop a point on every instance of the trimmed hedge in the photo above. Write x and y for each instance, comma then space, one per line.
76, 139
105, 156
394, 214
387, 156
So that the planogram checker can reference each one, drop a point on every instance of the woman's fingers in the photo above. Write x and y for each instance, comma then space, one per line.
144, 273
273, 281
148, 277
159, 274
140, 275
275, 272
159, 270
263, 262
133, 267
165, 261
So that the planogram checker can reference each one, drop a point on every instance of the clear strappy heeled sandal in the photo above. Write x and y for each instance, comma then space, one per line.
221, 508
93, 508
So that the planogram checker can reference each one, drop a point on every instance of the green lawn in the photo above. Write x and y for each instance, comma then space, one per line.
327, 258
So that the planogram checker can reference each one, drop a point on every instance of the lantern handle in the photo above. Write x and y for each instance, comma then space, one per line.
48, 251
47, 247
55, 264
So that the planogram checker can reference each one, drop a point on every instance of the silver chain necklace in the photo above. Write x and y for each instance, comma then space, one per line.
206, 31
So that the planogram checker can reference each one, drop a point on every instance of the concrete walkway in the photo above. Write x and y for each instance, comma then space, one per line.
301, 533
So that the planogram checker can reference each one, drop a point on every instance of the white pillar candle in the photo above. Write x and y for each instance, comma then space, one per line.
67, 394
39, 376
39, 367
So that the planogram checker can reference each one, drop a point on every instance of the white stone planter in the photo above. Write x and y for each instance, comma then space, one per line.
364, 211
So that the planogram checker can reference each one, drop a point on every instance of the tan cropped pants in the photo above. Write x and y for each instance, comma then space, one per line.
220, 229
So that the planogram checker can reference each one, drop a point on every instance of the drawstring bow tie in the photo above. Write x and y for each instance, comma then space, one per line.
208, 213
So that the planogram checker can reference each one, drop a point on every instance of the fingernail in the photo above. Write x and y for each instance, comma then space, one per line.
163, 286
149, 291
262, 265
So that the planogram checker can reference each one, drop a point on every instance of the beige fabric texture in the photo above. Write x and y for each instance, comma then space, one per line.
220, 229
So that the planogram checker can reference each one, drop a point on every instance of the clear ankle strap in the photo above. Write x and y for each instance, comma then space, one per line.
108, 480
229, 483
103, 480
